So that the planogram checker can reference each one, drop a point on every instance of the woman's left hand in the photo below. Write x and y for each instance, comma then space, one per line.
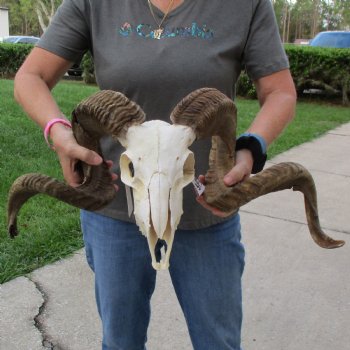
240, 172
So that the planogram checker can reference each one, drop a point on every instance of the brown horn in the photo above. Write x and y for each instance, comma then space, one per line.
280, 177
209, 112
106, 112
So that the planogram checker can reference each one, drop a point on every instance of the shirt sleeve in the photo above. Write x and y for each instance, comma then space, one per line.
68, 34
264, 53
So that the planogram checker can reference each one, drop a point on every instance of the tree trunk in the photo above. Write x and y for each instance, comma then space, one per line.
315, 18
41, 20
284, 21
44, 14
288, 25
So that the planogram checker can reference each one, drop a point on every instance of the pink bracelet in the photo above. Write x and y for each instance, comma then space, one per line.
50, 124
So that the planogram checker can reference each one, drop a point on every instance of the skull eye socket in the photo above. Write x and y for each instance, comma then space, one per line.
131, 169
127, 169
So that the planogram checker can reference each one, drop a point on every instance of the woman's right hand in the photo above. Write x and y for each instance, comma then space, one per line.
70, 152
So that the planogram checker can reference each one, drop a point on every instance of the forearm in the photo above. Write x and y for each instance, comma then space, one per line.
271, 120
33, 84
34, 95
277, 101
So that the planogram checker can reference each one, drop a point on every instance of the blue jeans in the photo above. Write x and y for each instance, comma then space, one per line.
206, 266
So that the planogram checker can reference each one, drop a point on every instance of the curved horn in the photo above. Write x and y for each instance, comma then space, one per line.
106, 112
282, 176
209, 112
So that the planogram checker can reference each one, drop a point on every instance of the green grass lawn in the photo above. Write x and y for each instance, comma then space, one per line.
49, 230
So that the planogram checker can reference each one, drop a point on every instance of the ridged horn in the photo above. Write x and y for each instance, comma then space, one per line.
104, 113
282, 176
210, 113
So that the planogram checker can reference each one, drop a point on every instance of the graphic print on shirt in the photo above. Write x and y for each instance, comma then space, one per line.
147, 31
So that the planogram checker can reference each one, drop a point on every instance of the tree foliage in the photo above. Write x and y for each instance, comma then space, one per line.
45, 12
305, 18
30, 17
296, 18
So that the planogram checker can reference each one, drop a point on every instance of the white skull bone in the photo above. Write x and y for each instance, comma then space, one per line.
157, 165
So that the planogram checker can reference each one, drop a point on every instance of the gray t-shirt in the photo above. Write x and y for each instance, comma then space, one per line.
204, 44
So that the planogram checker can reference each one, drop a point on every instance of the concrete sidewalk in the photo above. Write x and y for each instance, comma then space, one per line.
296, 294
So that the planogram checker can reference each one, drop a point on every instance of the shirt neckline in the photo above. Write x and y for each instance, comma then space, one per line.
158, 12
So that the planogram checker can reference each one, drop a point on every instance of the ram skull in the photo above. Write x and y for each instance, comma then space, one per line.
157, 165
157, 170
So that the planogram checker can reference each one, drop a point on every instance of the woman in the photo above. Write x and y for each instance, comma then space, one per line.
156, 52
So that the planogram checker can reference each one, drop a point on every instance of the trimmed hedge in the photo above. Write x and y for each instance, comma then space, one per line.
322, 68
327, 69
12, 57
311, 67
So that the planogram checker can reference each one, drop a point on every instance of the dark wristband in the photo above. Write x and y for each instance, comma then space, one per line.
254, 144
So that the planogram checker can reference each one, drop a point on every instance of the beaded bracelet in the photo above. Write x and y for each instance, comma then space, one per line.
50, 124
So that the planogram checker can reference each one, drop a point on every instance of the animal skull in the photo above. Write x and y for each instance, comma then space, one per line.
157, 165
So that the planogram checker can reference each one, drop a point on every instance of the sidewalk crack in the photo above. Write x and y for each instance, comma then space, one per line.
338, 134
292, 221
47, 341
314, 170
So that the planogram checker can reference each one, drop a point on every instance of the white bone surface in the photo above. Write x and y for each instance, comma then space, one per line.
162, 166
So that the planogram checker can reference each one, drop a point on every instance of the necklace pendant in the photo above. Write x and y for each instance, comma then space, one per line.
157, 33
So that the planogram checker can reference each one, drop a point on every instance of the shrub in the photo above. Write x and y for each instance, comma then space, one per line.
88, 69
327, 69
11, 58
323, 68
311, 67
245, 87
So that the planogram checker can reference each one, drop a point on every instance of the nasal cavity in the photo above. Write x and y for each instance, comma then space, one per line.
160, 249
